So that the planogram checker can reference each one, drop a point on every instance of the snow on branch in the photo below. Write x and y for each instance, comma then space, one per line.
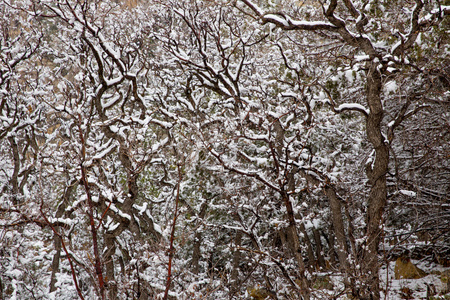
241, 172
352, 107
346, 106
418, 24
286, 22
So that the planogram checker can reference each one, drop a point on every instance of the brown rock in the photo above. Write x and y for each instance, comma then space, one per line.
260, 293
405, 269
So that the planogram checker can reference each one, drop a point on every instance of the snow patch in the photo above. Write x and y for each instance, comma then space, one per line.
408, 193
390, 87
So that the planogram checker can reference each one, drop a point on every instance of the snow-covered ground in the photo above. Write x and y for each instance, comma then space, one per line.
432, 286
415, 288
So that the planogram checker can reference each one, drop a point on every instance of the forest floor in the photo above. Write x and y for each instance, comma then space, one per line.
432, 285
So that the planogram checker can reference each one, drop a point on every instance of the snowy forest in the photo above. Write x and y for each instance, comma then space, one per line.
225, 149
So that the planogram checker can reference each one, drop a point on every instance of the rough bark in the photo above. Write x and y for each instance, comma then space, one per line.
109, 264
309, 249
339, 231
196, 253
236, 261
376, 173
320, 259
57, 238
295, 246
15, 176
337, 221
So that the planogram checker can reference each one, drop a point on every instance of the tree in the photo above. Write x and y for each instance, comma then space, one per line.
93, 88
220, 149
361, 44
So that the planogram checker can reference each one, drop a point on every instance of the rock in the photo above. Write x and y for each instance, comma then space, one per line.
405, 269
323, 282
406, 293
445, 278
259, 293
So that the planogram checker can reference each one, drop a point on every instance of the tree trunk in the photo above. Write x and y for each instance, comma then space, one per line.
320, 259
55, 262
14, 182
309, 249
236, 261
337, 221
294, 243
109, 263
196, 254
57, 239
376, 173
332, 245
339, 233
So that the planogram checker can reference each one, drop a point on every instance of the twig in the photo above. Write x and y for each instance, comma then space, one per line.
172, 235
63, 244
98, 264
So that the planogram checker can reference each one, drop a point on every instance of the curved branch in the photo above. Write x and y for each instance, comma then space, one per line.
346, 106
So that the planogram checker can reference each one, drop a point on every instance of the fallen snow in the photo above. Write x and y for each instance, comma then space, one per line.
408, 193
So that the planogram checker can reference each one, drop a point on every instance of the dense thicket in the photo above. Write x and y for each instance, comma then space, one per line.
221, 149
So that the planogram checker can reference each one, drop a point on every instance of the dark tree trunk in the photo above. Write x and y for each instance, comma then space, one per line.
14, 182
320, 258
236, 261
340, 234
109, 263
57, 239
196, 253
309, 249
376, 173
294, 243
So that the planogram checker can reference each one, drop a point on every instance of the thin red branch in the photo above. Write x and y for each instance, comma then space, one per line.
98, 263
103, 215
172, 236
63, 244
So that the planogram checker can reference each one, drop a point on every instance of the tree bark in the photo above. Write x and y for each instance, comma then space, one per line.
57, 239
320, 258
376, 173
110, 279
15, 176
340, 234
295, 245
236, 261
196, 253
337, 221
309, 249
